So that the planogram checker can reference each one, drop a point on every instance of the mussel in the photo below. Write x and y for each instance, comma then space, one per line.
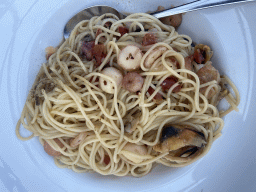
179, 140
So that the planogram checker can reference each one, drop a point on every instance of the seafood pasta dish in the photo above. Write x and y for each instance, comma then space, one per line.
120, 96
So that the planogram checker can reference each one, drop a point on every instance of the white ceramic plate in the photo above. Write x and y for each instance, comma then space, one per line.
28, 26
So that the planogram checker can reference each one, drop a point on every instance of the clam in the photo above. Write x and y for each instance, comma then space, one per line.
131, 125
131, 121
202, 53
45, 84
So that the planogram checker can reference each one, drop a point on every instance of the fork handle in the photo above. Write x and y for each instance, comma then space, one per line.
195, 5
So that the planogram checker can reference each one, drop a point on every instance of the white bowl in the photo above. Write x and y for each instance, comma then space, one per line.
29, 26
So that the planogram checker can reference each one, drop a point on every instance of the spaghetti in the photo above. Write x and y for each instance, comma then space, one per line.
92, 111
